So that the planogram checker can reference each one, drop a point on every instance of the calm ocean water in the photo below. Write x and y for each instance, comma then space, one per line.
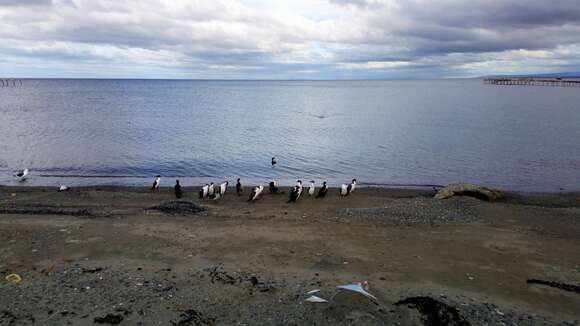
93, 132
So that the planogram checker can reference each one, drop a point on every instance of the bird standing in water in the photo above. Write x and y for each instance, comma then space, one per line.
177, 188
273, 161
21, 175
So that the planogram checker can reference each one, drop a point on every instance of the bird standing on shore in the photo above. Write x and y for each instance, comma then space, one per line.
21, 175
156, 183
322, 191
311, 188
296, 192
211, 189
204, 191
222, 188
273, 161
177, 188
63, 188
239, 187
256, 191
346, 190
273, 187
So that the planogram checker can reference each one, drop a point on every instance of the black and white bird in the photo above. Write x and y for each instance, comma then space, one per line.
273, 187
21, 175
221, 189
345, 190
256, 191
63, 188
311, 188
177, 188
215, 196
156, 183
204, 191
239, 187
273, 161
296, 192
322, 191
211, 189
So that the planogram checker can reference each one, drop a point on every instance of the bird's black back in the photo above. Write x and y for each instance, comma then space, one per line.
273, 188
178, 191
294, 194
322, 192
252, 194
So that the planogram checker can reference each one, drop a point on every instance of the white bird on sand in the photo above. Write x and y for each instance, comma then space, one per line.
346, 190
156, 183
63, 188
311, 188
204, 191
22, 174
256, 191
211, 189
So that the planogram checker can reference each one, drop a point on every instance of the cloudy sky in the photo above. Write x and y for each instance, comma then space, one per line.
293, 39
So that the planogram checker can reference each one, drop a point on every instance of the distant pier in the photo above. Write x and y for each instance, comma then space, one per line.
10, 82
533, 82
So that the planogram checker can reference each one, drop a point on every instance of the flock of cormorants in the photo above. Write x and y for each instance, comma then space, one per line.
215, 192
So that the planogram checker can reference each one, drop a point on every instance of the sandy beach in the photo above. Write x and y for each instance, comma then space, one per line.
119, 255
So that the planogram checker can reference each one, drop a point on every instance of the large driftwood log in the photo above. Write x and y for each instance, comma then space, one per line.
467, 189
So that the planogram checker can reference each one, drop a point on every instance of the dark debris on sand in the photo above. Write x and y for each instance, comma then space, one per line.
557, 285
178, 207
109, 319
192, 317
47, 210
435, 312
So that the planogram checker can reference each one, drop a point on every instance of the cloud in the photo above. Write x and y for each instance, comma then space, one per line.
21, 3
277, 39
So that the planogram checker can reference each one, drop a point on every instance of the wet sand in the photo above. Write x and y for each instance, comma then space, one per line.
102, 255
